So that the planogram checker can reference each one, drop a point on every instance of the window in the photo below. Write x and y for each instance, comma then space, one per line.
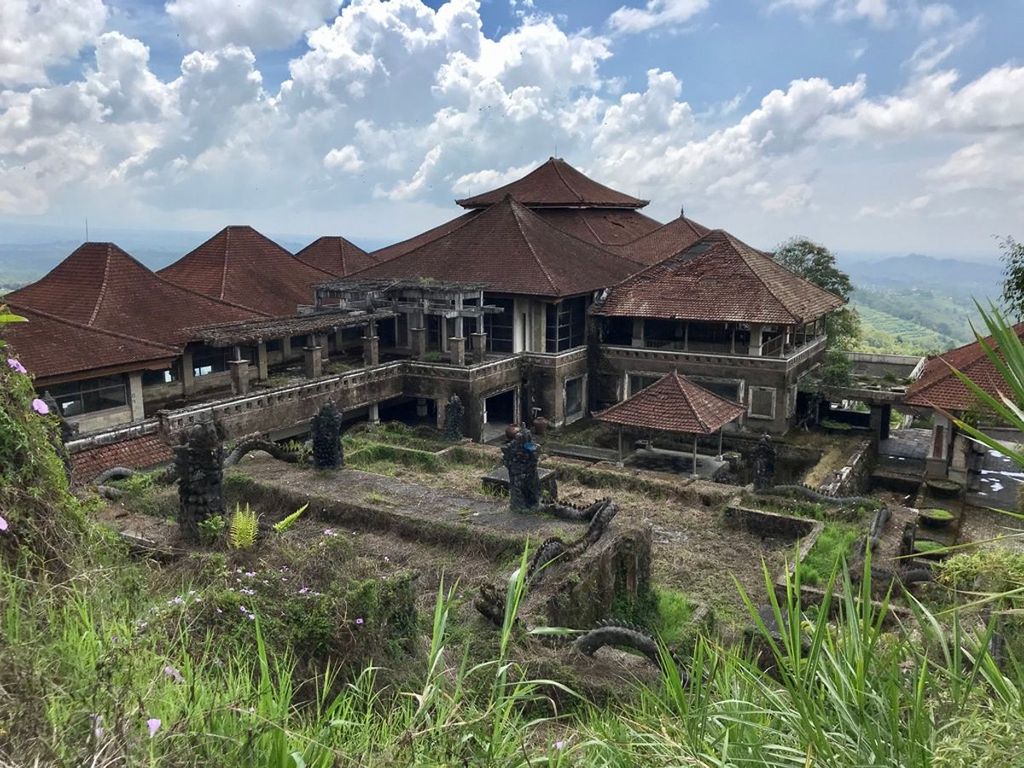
574, 397
207, 360
762, 402
156, 378
730, 390
499, 326
91, 395
566, 325
275, 345
638, 381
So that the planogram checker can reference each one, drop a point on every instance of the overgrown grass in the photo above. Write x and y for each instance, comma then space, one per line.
832, 546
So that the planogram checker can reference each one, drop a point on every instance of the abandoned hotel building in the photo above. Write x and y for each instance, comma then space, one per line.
552, 296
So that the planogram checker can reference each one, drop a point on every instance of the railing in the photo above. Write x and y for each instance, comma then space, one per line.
797, 357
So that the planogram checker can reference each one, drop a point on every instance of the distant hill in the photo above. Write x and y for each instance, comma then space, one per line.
915, 270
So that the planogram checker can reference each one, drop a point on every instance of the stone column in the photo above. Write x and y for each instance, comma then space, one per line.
374, 413
638, 332
188, 377
262, 368
419, 342
457, 345
325, 347
135, 396
313, 363
755, 340
479, 346
239, 376
371, 350
286, 348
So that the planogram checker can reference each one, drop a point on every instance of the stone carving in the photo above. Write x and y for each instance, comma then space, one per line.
521, 457
555, 547
199, 461
257, 442
574, 512
764, 463
454, 416
326, 428
623, 635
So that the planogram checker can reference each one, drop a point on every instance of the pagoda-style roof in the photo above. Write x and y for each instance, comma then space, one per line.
244, 267
410, 244
718, 278
939, 387
335, 255
256, 331
100, 286
673, 404
607, 227
54, 349
556, 184
510, 249
658, 244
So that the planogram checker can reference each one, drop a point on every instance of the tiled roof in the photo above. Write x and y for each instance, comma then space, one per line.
674, 404
555, 184
719, 279
510, 249
101, 286
335, 255
140, 452
397, 249
658, 244
607, 227
939, 387
240, 265
53, 349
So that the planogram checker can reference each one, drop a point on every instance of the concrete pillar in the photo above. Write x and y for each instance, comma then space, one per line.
188, 373
371, 350
239, 376
459, 325
457, 345
479, 346
339, 338
135, 396
421, 408
755, 340
638, 331
286, 348
686, 337
262, 368
374, 413
419, 342
325, 351
313, 362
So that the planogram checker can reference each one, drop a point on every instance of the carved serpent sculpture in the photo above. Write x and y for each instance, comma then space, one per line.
813, 495
574, 512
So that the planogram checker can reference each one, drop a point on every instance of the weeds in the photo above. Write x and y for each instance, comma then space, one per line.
243, 527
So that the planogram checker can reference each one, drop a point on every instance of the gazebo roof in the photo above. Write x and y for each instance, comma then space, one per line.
674, 404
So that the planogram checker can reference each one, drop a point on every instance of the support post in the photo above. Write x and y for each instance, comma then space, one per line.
312, 362
262, 367
755, 340
457, 345
479, 346
325, 351
188, 373
286, 348
239, 376
135, 396
419, 342
694, 475
371, 350
374, 414
620, 446
720, 454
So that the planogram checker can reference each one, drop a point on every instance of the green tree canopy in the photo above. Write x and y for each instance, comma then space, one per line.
816, 263
1013, 276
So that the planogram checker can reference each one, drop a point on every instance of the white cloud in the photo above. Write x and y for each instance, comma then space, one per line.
253, 23
37, 35
656, 13
344, 159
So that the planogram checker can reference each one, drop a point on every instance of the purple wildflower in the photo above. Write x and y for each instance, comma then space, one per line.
154, 725
16, 366
3, 524
559, 745
359, 621
40, 407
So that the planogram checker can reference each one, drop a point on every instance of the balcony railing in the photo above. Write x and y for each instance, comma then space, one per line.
722, 353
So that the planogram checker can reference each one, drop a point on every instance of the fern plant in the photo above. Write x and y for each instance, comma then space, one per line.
283, 525
243, 527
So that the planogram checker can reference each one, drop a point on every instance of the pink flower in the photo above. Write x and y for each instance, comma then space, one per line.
40, 407
154, 725
16, 366
3, 524
359, 621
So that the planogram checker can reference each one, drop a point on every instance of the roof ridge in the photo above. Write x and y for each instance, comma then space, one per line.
95, 329
224, 265
519, 225
103, 286
554, 164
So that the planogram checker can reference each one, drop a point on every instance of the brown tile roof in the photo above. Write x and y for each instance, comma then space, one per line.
135, 453
555, 184
660, 243
335, 255
719, 279
674, 404
608, 227
241, 266
101, 286
510, 249
53, 349
412, 243
939, 387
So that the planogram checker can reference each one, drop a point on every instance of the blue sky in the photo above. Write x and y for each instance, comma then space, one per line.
881, 126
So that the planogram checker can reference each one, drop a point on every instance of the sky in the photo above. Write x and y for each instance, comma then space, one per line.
873, 126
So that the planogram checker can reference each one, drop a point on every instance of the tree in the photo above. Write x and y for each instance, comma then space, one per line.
1013, 275
816, 263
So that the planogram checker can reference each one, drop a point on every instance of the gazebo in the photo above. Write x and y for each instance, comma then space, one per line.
675, 405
